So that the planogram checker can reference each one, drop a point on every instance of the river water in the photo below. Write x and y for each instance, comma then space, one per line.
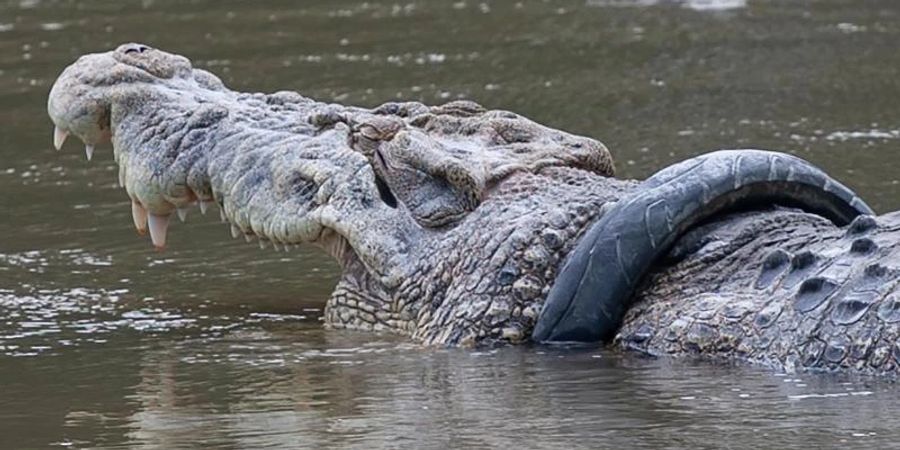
214, 343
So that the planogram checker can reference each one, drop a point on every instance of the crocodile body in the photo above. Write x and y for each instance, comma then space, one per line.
451, 223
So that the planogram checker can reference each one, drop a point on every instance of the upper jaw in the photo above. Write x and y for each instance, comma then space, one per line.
186, 139
91, 100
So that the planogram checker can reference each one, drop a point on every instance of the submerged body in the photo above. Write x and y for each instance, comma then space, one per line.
452, 222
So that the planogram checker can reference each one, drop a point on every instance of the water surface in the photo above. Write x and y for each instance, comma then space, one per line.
107, 344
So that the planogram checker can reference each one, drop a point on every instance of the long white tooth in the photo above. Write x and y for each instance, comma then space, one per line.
159, 226
139, 215
182, 213
248, 237
235, 231
222, 215
287, 248
203, 206
59, 137
262, 244
121, 176
275, 246
89, 151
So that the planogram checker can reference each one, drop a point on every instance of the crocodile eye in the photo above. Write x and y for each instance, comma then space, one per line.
369, 132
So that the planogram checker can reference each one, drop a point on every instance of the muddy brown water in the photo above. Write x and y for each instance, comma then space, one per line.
214, 343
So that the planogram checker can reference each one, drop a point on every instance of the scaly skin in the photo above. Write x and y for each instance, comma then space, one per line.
450, 222
779, 288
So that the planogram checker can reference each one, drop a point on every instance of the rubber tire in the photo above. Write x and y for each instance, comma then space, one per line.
592, 291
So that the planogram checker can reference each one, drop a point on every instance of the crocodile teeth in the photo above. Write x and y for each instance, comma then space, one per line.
89, 151
59, 137
235, 231
159, 225
248, 237
182, 213
121, 176
222, 215
139, 215
204, 205
275, 246
262, 244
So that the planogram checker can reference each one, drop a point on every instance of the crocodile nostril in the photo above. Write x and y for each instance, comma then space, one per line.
137, 49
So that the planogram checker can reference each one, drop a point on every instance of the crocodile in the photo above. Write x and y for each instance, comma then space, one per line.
458, 225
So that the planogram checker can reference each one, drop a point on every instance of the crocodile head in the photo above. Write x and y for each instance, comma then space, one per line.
449, 222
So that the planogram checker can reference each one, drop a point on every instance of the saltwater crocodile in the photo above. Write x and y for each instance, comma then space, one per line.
451, 223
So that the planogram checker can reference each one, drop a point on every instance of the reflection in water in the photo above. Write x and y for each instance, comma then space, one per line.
105, 344
342, 392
